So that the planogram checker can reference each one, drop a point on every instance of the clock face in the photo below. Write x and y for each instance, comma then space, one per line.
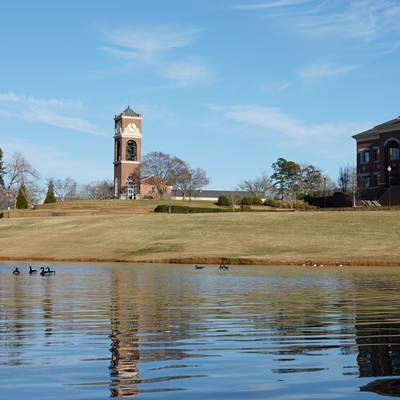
132, 127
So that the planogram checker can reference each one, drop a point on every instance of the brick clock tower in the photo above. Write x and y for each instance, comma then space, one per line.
127, 154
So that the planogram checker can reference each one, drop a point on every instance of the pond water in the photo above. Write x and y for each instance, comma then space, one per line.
95, 331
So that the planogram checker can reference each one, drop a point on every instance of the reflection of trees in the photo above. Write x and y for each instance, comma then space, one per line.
378, 348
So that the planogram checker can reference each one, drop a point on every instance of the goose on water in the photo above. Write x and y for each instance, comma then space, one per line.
45, 273
31, 270
16, 271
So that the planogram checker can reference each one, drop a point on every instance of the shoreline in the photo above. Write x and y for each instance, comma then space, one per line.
217, 260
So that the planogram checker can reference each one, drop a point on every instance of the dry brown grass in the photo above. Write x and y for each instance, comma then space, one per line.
287, 237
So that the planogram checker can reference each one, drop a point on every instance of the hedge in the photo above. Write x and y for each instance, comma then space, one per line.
165, 208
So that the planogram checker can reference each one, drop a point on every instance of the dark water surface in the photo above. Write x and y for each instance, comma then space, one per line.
170, 332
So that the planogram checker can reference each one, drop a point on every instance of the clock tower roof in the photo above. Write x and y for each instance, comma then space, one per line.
128, 112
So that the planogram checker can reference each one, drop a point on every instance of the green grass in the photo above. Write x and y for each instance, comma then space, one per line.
329, 235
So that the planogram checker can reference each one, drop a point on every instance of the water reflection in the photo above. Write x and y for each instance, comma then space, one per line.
124, 341
158, 331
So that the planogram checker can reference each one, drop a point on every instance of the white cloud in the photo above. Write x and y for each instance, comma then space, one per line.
22, 99
187, 72
320, 71
268, 4
148, 43
152, 48
370, 20
54, 112
271, 121
277, 87
54, 162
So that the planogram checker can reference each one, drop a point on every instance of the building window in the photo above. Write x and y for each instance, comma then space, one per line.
131, 151
118, 150
374, 180
365, 181
365, 157
376, 154
394, 153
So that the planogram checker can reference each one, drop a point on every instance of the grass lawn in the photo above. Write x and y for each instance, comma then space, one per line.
330, 235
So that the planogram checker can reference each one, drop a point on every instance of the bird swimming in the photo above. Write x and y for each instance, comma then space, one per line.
50, 272
43, 272
31, 270
198, 267
16, 271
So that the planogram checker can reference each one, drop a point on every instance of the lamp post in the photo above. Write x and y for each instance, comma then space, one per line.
190, 187
9, 197
389, 169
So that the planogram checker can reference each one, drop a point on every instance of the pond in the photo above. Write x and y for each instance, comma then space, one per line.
95, 331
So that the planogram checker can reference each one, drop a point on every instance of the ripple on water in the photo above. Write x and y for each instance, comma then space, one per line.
145, 331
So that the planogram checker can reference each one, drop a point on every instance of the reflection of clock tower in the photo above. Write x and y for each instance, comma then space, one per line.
127, 154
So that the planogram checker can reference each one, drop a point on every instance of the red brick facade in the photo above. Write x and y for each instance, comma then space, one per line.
127, 154
377, 149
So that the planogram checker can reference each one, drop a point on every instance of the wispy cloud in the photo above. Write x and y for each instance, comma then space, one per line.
268, 4
272, 121
277, 87
22, 99
147, 44
56, 112
51, 161
152, 48
369, 20
187, 72
320, 71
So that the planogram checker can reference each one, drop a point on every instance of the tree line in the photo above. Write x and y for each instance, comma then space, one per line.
20, 183
291, 181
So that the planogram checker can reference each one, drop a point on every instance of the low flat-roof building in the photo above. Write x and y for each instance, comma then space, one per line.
378, 163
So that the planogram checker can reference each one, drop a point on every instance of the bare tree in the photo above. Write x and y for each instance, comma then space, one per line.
345, 179
19, 170
164, 169
65, 188
99, 190
260, 186
189, 179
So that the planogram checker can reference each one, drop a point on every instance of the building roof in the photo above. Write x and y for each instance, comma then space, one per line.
392, 125
128, 112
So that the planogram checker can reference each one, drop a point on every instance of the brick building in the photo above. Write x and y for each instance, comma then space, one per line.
378, 163
127, 154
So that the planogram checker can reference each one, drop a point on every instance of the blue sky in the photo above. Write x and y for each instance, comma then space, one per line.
228, 85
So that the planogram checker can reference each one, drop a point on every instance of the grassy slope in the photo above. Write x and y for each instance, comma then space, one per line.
348, 235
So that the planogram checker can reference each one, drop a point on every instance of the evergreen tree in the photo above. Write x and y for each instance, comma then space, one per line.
50, 197
286, 177
2, 169
22, 201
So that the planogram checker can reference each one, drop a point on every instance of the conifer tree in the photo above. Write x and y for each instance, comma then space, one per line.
50, 197
22, 201
2, 169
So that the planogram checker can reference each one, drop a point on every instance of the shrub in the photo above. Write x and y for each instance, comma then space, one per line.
251, 201
223, 201
165, 208
21, 201
272, 203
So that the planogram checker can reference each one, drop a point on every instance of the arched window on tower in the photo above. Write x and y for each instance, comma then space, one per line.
131, 151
